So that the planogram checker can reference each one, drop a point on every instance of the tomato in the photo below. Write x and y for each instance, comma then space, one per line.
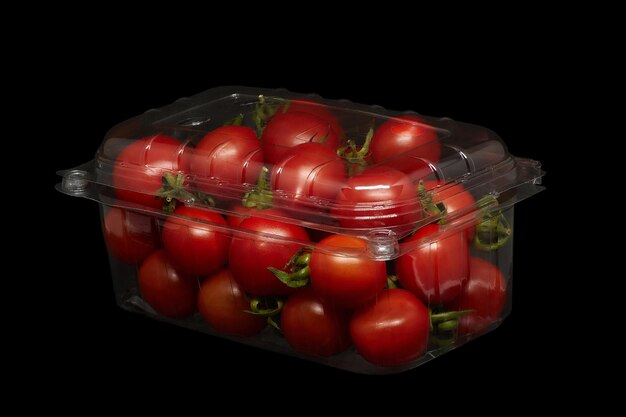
485, 293
378, 197
192, 246
229, 153
140, 166
308, 170
286, 130
435, 272
130, 236
235, 220
251, 255
403, 134
415, 167
313, 327
169, 292
345, 281
222, 304
392, 330
317, 109
455, 200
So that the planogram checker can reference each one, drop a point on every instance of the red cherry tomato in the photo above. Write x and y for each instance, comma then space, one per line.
222, 304
345, 281
286, 130
485, 293
313, 327
378, 197
140, 166
229, 153
235, 220
251, 254
194, 247
392, 330
317, 109
130, 236
415, 167
455, 200
435, 272
169, 292
404, 134
308, 170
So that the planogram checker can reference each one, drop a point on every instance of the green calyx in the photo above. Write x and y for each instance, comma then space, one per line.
261, 196
296, 272
443, 326
269, 307
494, 231
264, 109
429, 207
265, 306
173, 189
392, 282
235, 121
352, 154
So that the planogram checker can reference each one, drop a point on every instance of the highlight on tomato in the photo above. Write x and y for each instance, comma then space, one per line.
379, 196
345, 281
434, 271
195, 240
391, 330
230, 154
287, 130
140, 166
267, 244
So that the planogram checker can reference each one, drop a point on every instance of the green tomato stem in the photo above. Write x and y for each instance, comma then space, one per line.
261, 196
174, 190
448, 315
296, 279
351, 154
260, 306
392, 281
493, 232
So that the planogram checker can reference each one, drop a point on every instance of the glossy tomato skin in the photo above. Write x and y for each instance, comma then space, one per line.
196, 248
130, 236
345, 281
317, 109
378, 197
485, 293
313, 327
222, 304
405, 134
455, 199
140, 166
251, 255
308, 170
230, 153
287, 130
169, 292
392, 330
435, 272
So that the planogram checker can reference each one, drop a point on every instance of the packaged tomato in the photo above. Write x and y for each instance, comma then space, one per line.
361, 238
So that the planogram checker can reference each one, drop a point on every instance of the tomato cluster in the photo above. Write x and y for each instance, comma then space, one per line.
247, 263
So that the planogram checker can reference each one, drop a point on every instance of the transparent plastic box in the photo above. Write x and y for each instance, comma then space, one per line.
360, 238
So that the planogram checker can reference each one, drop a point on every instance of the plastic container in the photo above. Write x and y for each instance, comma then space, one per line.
213, 228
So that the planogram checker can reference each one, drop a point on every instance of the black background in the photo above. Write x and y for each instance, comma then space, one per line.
89, 339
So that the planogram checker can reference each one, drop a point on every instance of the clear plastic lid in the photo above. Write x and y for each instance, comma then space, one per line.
327, 165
